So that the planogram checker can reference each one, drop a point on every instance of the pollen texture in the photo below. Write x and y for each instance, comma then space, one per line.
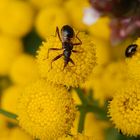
73, 74
46, 111
124, 109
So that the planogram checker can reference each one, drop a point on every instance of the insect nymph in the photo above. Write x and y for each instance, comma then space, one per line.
66, 37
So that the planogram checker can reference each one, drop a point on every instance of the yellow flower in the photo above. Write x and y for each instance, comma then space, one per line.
102, 50
101, 28
48, 19
72, 75
46, 111
18, 134
114, 77
75, 11
133, 63
16, 18
24, 70
124, 109
10, 98
10, 49
104, 80
39, 4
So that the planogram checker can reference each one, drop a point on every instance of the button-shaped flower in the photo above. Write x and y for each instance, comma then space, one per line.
124, 109
83, 56
46, 111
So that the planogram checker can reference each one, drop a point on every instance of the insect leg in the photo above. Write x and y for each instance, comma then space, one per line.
80, 42
65, 64
75, 51
57, 57
57, 33
71, 61
56, 49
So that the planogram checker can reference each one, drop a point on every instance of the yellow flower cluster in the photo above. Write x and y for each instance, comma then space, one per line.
73, 74
38, 92
124, 109
46, 111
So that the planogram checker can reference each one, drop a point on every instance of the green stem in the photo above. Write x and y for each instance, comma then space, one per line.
97, 110
81, 96
82, 120
8, 114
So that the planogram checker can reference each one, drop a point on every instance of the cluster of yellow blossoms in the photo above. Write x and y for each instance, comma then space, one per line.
45, 108
124, 108
38, 90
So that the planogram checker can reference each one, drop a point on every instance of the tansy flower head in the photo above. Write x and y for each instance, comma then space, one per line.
10, 98
124, 109
16, 18
101, 25
24, 70
114, 76
102, 50
10, 49
46, 111
76, 17
39, 4
48, 19
84, 60
133, 59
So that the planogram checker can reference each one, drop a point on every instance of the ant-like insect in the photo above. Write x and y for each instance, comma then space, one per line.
67, 35
131, 50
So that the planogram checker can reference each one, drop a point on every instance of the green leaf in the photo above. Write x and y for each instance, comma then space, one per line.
8, 114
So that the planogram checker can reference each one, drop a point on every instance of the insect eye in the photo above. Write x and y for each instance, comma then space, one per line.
131, 49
